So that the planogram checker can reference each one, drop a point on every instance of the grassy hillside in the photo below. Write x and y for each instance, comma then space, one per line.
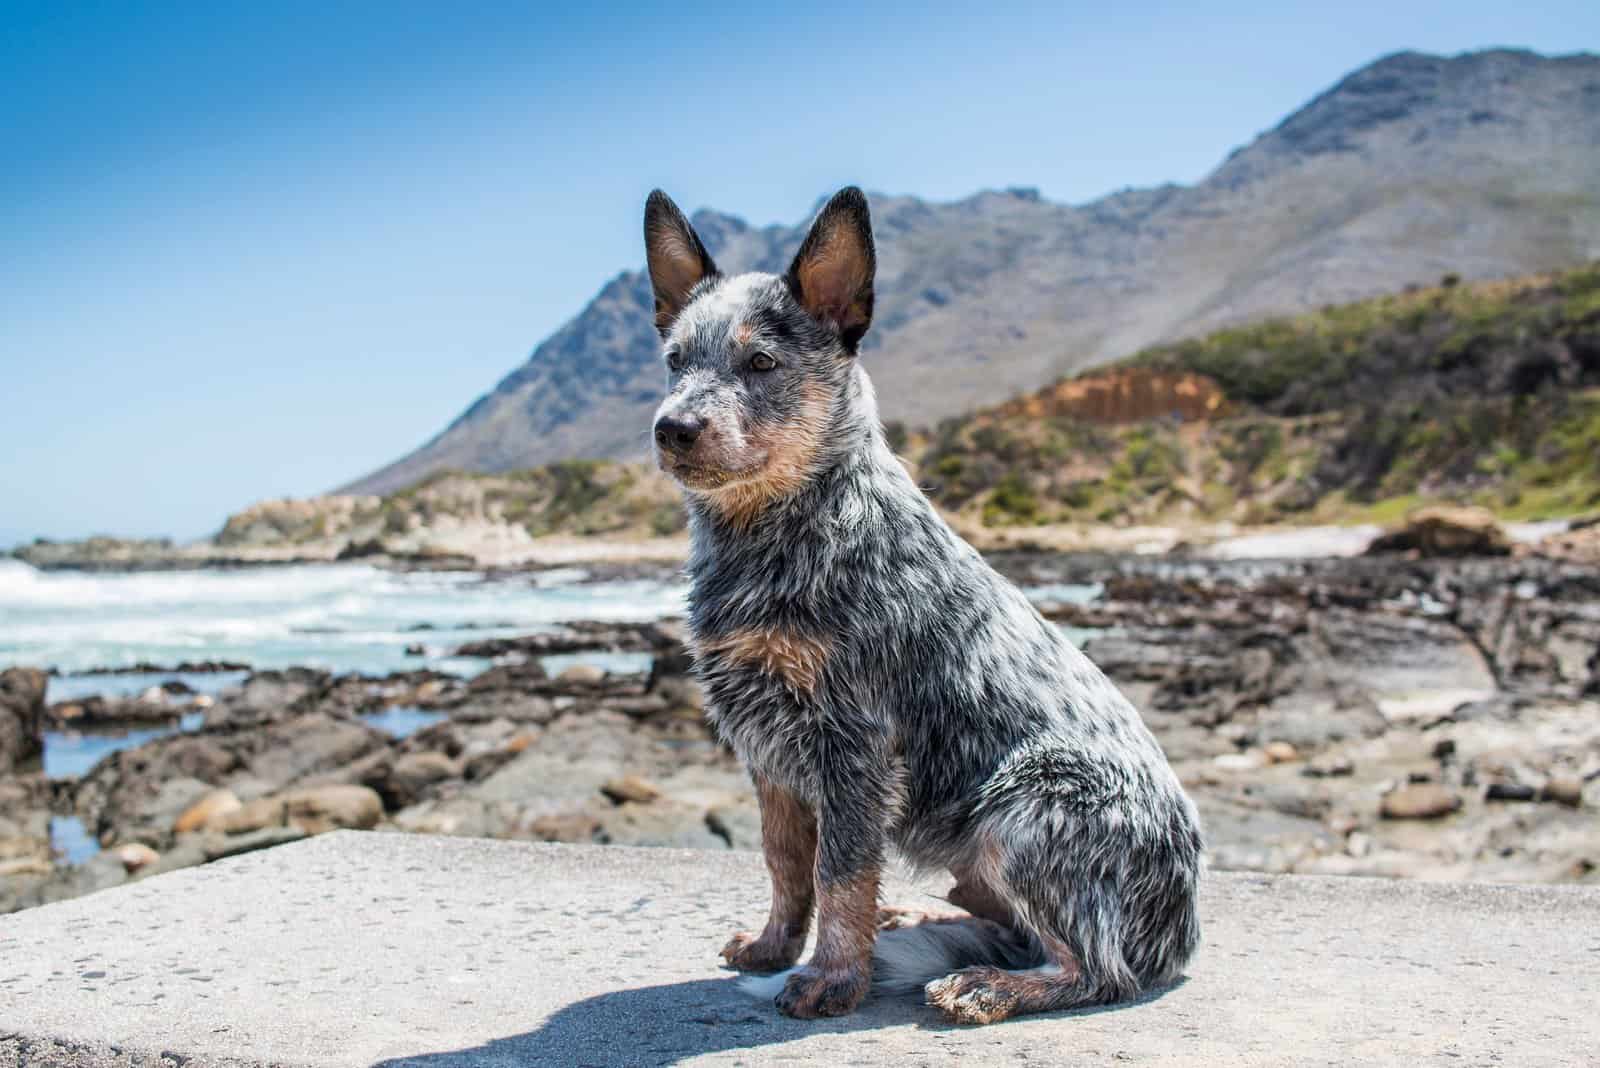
576, 497
1486, 393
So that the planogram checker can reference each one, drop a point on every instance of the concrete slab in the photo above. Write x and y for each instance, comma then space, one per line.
396, 950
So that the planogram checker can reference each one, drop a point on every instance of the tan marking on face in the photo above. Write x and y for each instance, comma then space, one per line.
743, 333
797, 659
847, 922
791, 450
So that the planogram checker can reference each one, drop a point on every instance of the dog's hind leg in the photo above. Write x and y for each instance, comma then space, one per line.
1113, 914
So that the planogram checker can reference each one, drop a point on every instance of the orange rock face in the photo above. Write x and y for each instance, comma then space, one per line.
1124, 396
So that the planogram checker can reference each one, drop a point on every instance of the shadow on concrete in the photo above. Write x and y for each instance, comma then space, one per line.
664, 1025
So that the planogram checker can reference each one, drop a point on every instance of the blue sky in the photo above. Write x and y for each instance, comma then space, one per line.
258, 250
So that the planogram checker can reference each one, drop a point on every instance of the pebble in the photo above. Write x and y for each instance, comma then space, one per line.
136, 856
1329, 765
1564, 789
1281, 753
630, 788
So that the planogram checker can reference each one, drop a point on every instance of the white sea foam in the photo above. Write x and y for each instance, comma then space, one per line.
346, 617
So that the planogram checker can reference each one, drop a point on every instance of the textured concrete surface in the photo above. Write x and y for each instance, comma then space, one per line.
374, 949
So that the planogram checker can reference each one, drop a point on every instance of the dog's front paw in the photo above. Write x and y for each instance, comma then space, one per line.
761, 953
810, 993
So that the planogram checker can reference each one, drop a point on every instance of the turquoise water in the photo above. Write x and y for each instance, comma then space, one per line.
616, 663
402, 722
68, 754
69, 838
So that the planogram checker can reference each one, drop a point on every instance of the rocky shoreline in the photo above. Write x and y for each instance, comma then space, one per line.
1380, 716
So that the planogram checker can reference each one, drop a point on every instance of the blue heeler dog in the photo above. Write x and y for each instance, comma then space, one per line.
883, 684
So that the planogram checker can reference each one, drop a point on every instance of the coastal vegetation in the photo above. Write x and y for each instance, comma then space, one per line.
1485, 394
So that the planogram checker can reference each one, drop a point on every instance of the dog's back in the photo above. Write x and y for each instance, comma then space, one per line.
880, 680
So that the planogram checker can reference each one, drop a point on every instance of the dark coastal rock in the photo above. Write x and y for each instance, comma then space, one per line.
582, 637
1443, 530
1509, 791
22, 714
140, 793
183, 667
152, 708
406, 780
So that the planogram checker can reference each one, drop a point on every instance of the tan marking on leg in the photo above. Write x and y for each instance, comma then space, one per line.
840, 970
985, 994
797, 659
978, 896
789, 842
847, 922
791, 450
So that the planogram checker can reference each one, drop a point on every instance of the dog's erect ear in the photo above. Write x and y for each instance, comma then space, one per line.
678, 261
832, 273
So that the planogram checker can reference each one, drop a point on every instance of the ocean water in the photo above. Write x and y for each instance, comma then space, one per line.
343, 617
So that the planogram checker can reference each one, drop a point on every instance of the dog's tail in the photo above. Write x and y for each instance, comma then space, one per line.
907, 958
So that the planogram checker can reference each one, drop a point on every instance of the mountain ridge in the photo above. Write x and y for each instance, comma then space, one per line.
1484, 165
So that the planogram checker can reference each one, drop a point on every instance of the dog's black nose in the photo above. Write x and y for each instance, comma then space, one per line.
678, 435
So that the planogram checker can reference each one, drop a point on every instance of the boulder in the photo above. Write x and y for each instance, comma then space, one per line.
461, 816
409, 777
1445, 530
737, 822
21, 717
663, 823
566, 827
630, 788
1419, 801
208, 812
312, 809
582, 675
143, 809
1564, 789
264, 838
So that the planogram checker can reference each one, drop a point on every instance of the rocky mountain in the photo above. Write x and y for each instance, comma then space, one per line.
1484, 165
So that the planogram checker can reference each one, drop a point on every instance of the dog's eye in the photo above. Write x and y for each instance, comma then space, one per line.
762, 361
674, 361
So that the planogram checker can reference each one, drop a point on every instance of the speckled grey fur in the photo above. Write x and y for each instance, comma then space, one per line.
948, 716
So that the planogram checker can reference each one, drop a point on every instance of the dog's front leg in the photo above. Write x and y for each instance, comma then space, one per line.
852, 816
789, 840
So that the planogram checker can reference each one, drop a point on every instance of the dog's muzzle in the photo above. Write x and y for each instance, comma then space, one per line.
677, 435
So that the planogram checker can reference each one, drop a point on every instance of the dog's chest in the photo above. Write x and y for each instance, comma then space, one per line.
765, 673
